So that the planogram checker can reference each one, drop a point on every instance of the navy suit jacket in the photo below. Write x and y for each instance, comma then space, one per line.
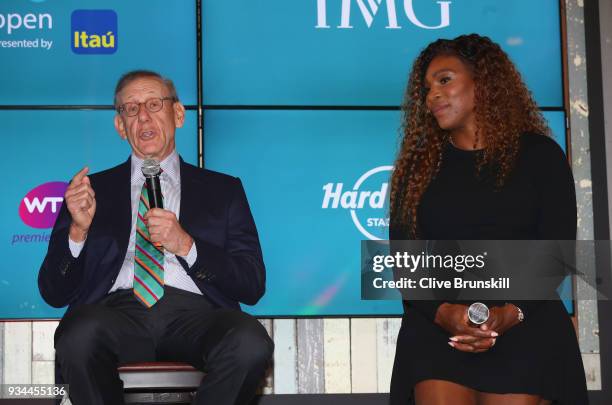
214, 210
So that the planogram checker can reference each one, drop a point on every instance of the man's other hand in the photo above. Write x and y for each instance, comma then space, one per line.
81, 203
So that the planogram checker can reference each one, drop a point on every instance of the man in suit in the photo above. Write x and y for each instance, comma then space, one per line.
146, 284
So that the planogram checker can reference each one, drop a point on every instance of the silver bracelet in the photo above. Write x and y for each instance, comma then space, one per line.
521, 315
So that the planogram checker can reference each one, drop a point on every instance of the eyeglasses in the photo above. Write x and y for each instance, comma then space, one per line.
154, 104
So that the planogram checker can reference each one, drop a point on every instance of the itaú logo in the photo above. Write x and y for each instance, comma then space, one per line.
369, 8
367, 201
94, 31
40, 207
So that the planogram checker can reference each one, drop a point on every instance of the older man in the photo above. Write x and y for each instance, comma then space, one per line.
146, 284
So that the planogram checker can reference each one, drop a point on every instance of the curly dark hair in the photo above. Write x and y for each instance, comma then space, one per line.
504, 109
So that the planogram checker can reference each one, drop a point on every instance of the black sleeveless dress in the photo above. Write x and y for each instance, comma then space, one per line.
539, 356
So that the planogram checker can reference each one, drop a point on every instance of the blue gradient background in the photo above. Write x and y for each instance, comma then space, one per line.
43, 146
284, 158
263, 53
269, 52
153, 34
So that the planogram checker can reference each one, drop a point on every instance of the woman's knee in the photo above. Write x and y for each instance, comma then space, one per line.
441, 392
510, 399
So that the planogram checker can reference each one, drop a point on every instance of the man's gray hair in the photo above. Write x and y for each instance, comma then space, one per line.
129, 77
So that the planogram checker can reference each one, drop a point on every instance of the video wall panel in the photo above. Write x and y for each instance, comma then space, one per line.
297, 167
64, 52
269, 54
294, 165
357, 52
43, 147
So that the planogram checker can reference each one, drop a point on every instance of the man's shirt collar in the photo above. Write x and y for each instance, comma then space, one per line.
170, 169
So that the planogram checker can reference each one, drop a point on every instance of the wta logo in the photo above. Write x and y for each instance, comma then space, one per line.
40, 207
366, 201
94, 31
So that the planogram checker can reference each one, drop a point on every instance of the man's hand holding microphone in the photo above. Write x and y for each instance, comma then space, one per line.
163, 226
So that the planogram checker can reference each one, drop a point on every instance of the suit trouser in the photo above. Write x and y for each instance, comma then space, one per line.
94, 339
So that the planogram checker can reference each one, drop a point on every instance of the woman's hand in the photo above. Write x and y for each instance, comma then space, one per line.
500, 320
465, 337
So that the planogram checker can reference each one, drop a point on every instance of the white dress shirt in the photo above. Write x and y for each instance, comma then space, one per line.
174, 274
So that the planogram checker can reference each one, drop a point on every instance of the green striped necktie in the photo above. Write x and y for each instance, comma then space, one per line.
148, 259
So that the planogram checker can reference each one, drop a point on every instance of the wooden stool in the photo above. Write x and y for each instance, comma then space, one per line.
159, 382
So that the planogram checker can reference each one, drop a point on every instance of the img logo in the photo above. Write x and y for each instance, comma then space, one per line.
367, 201
94, 31
40, 207
368, 9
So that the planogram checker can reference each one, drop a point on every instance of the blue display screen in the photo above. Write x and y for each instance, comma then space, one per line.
279, 52
290, 162
64, 52
44, 147
295, 165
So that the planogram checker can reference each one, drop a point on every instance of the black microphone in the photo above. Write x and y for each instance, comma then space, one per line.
151, 170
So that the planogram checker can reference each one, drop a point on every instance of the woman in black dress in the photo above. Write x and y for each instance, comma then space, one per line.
476, 162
